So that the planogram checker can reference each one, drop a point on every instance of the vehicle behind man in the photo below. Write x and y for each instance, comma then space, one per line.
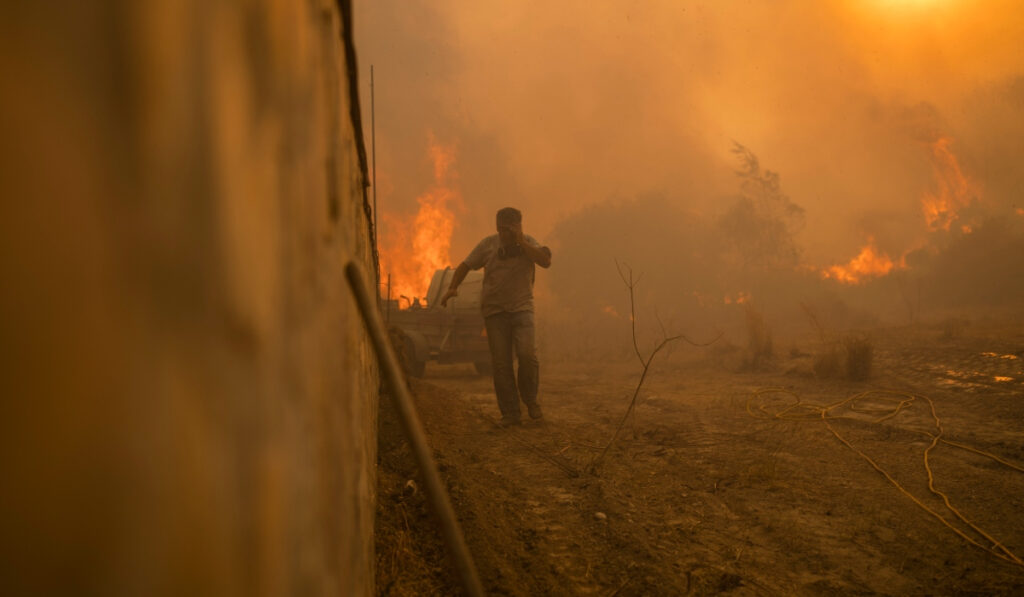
453, 334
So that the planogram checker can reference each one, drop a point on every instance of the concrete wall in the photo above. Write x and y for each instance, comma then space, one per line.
188, 398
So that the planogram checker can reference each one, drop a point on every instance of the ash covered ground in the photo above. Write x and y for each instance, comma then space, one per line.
727, 478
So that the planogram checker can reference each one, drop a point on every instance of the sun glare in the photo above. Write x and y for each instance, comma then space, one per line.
908, 4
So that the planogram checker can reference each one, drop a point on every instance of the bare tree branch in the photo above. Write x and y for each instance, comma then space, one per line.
632, 403
701, 344
626, 274
660, 324
631, 284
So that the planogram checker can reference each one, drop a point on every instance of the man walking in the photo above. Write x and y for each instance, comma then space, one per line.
506, 301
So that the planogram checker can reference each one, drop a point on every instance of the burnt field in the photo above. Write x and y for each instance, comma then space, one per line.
727, 479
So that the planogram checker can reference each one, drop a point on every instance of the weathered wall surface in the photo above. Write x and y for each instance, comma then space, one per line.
188, 396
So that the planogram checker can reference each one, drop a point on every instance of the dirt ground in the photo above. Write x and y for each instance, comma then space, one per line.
716, 486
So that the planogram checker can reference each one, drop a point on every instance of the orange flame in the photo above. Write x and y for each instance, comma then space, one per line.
954, 190
869, 263
412, 249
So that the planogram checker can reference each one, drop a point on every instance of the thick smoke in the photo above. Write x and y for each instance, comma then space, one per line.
611, 125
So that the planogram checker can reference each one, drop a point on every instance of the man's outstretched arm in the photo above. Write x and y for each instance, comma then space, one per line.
453, 288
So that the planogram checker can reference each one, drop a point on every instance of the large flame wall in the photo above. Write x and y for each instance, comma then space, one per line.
413, 246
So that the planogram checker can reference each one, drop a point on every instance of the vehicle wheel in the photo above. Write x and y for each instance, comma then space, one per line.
483, 367
413, 366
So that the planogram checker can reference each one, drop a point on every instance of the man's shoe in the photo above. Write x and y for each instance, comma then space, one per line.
510, 421
534, 410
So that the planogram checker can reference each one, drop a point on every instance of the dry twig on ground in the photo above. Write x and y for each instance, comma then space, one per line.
630, 282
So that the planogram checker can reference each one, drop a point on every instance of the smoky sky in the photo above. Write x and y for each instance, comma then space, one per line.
554, 107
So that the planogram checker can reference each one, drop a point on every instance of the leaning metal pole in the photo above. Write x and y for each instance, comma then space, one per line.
435, 491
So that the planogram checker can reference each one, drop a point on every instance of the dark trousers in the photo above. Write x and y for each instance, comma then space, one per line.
508, 334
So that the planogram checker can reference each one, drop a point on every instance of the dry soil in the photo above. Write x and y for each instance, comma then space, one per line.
724, 480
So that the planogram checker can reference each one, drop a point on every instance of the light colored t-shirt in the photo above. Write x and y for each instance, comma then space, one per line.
508, 276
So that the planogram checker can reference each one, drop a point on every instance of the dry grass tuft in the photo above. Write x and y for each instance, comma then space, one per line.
860, 353
760, 348
406, 564
851, 358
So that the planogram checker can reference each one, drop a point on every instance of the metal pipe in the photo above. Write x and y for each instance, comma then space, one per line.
434, 488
